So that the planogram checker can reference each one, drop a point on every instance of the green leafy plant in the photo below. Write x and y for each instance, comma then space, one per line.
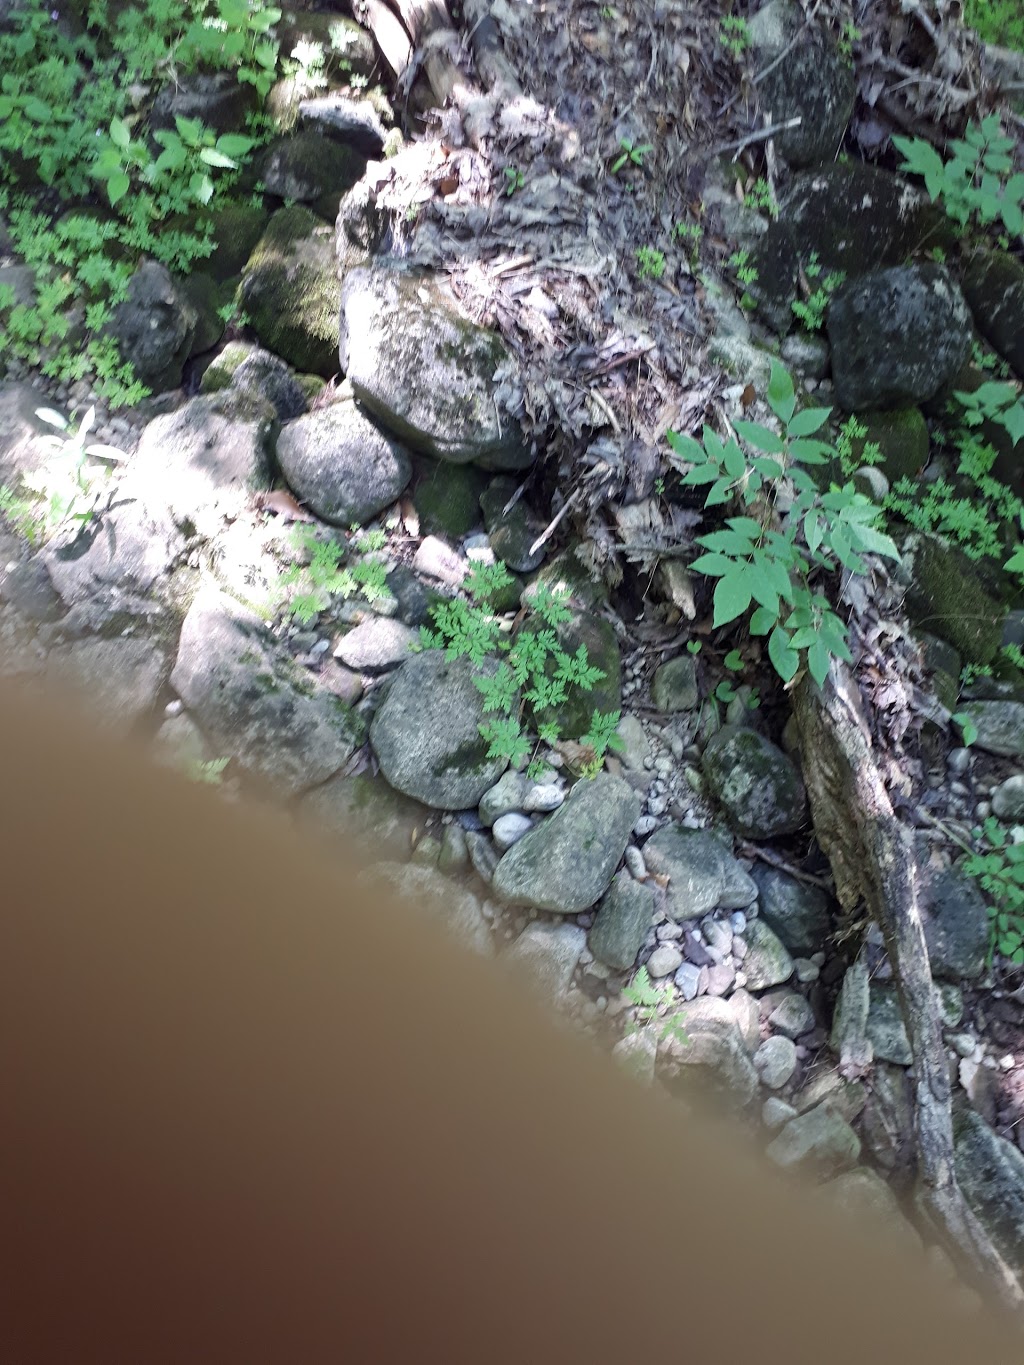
811, 309
64, 493
996, 21
209, 771
968, 729
650, 263
655, 1005
746, 274
850, 460
849, 34
535, 674
758, 195
994, 402
977, 182
691, 234
630, 155
320, 577
734, 35
514, 180
998, 868
767, 563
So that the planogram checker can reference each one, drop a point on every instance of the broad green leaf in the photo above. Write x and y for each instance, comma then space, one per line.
120, 133
762, 620
760, 437
731, 542
735, 464
771, 469
117, 187
818, 662
874, 542
212, 157
813, 531
781, 396
714, 566
809, 421
732, 595
720, 493
810, 452
783, 656
686, 447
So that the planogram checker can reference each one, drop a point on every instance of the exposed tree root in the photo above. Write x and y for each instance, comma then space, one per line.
875, 867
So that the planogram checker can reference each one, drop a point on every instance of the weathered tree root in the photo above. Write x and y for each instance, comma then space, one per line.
875, 867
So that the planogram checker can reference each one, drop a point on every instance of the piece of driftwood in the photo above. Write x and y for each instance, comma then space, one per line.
493, 67
875, 869
388, 33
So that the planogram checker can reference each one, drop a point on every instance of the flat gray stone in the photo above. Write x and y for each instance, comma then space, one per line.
379, 642
566, 864
757, 785
821, 1139
622, 923
549, 954
694, 862
252, 701
426, 733
341, 465
775, 1061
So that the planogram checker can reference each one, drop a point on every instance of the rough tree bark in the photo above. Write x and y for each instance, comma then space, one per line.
874, 865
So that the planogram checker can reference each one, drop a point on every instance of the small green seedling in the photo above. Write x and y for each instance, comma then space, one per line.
631, 154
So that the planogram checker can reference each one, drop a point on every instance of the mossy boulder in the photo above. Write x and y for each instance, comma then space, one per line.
758, 786
596, 635
235, 228
207, 299
944, 663
427, 373
305, 167
816, 84
447, 497
567, 573
511, 533
947, 596
901, 435
897, 335
290, 291
994, 288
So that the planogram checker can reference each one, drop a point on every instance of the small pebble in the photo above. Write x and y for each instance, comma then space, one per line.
635, 863
806, 970
687, 978
669, 932
958, 760
657, 805
645, 825
1008, 1062
738, 921
544, 797
739, 949
664, 961
741, 980
174, 708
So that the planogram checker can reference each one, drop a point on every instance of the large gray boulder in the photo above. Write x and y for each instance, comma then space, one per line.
193, 469
695, 863
426, 733
623, 920
797, 911
990, 1171
815, 84
154, 326
566, 863
1000, 726
757, 785
24, 437
341, 465
709, 1052
290, 291
897, 336
254, 704
994, 287
425, 372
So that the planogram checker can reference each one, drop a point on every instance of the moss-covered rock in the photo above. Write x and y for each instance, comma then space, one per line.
426, 372
758, 786
814, 83
290, 291
596, 635
235, 227
207, 298
447, 497
994, 288
305, 167
946, 596
901, 435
